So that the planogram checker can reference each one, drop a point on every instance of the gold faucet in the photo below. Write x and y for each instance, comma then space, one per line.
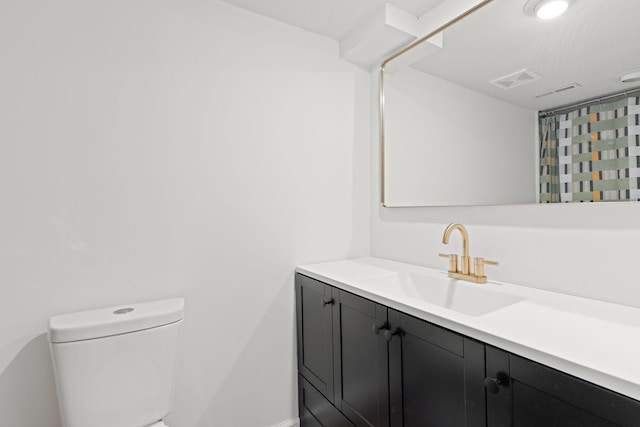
464, 272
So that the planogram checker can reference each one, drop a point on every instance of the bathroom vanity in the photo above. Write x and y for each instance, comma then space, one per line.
382, 343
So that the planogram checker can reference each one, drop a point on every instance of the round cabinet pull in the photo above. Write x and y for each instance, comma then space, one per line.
327, 301
388, 334
493, 385
377, 328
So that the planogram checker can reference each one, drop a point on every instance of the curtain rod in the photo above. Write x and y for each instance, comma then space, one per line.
588, 102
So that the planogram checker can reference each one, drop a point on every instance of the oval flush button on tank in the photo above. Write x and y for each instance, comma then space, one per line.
123, 310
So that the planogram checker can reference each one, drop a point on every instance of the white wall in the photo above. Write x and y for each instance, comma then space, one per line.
447, 145
163, 148
588, 250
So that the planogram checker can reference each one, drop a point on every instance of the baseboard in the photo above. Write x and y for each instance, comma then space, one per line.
290, 423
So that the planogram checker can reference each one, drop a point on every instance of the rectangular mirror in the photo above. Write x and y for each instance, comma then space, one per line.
460, 117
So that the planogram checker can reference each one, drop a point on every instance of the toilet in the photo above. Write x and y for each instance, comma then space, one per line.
115, 367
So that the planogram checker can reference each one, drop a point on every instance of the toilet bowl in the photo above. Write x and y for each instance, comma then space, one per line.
116, 366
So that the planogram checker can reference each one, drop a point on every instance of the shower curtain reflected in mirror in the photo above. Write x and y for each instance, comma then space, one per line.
591, 154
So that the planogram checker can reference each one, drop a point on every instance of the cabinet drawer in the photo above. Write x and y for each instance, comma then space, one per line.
315, 410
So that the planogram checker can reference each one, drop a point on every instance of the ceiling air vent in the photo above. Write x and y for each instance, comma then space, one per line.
516, 79
560, 89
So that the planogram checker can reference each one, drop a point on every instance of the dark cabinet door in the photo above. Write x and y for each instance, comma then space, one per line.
534, 395
314, 302
361, 360
436, 376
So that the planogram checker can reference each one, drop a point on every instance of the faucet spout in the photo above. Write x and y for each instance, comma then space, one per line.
464, 261
465, 236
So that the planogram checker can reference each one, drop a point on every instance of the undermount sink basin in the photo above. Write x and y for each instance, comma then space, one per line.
464, 297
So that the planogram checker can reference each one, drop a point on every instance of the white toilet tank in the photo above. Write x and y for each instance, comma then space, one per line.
115, 367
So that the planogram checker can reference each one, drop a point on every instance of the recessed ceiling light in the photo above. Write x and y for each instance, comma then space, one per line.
550, 9
546, 9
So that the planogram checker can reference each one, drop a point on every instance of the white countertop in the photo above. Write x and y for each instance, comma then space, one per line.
593, 340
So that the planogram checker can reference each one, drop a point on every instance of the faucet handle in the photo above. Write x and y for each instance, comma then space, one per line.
479, 264
453, 262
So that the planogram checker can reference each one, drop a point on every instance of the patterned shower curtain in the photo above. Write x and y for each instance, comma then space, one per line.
591, 154
549, 173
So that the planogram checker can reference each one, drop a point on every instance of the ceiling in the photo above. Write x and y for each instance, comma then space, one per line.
591, 44
330, 18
